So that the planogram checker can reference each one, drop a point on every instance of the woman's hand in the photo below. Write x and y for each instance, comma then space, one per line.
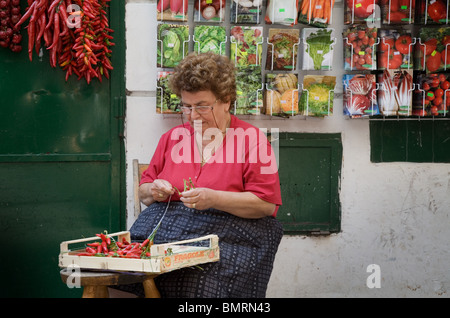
242, 204
161, 190
198, 198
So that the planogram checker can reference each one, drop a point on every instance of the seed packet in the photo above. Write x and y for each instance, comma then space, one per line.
246, 45
170, 10
433, 11
281, 12
395, 50
282, 49
210, 38
360, 98
166, 101
209, 10
360, 48
316, 13
249, 91
395, 92
246, 11
172, 44
433, 50
317, 95
318, 47
432, 97
361, 11
281, 94
397, 11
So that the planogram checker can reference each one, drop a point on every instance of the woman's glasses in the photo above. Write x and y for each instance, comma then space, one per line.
199, 109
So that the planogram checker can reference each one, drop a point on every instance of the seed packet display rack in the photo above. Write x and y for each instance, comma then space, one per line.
256, 99
415, 21
384, 18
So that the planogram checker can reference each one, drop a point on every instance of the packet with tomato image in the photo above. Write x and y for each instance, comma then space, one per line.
397, 11
395, 50
360, 48
360, 98
361, 11
432, 95
433, 50
434, 11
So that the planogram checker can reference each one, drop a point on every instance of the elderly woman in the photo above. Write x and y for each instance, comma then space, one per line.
235, 193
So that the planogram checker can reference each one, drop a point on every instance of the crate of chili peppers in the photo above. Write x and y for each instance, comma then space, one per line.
116, 252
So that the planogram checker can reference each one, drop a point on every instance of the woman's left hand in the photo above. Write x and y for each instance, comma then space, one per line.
198, 198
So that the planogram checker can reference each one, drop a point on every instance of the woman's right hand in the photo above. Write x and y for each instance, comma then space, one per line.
161, 190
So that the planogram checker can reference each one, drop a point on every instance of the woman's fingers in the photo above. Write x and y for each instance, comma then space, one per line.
161, 189
196, 198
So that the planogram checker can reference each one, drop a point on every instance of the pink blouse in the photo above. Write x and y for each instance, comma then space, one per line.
244, 161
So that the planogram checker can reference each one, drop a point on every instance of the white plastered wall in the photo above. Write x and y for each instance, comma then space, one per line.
395, 215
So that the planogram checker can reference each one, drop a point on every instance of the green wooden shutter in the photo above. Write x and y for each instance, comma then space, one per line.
309, 169
61, 163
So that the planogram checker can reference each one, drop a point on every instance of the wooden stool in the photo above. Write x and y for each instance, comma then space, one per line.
95, 284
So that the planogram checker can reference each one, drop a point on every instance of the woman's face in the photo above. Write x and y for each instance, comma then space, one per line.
219, 113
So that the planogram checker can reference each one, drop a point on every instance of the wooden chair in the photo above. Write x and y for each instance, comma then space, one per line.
95, 283
138, 169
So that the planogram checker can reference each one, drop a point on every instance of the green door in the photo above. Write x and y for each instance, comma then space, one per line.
61, 163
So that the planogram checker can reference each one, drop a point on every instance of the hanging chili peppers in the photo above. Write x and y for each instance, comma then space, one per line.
9, 16
76, 34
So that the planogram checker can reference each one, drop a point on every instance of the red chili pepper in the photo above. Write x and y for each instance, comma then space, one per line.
90, 250
104, 247
85, 254
145, 243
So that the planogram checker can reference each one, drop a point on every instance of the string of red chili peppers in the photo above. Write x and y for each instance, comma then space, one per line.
75, 32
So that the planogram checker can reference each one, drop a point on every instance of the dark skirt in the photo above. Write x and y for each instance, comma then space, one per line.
247, 251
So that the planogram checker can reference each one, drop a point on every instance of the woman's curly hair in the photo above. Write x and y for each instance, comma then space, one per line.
203, 72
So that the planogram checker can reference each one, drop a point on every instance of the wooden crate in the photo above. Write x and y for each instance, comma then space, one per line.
181, 254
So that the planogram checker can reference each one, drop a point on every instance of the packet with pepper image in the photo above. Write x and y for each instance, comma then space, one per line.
432, 52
